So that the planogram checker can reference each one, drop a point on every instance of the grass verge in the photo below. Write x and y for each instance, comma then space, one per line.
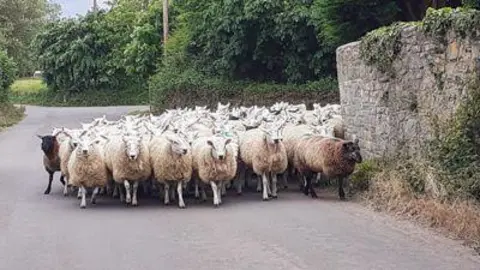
10, 115
394, 188
34, 92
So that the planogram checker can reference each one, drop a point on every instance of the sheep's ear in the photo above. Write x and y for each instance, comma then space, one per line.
355, 141
228, 141
209, 142
40, 136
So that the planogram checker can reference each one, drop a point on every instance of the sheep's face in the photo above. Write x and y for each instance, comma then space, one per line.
351, 151
48, 143
179, 144
219, 146
86, 145
223, 108
273, 134
132, 146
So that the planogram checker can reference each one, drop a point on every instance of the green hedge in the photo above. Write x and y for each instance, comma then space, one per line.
171, 89
87, 98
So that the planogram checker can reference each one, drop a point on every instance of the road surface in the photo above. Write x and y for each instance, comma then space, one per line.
51, 232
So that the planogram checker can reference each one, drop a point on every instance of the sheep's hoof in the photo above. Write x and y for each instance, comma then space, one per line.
314, 195
93, 201
134, 203
343, 199
275, 197
82, 206
239, 193
182, 206
265, 199
47, 191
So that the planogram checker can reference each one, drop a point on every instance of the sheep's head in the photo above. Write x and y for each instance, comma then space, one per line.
351, 151
178, 143
132, 145
273, 132
219, 146
223, 108
49, 143
86, 145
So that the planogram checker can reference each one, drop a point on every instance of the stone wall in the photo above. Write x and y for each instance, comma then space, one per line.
394, 114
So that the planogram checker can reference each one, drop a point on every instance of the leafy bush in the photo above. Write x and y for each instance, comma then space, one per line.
455, 150
171, 88
7, 75
364, 172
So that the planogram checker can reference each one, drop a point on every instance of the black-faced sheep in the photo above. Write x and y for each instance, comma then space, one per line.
51, 159
332, 157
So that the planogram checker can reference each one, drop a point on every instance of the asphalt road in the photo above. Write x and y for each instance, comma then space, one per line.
40, 231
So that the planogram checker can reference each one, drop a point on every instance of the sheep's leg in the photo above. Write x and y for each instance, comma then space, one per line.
197, 193
135, 189
309, 186
274, 185
223, 188
219, 192
204, 194
181, 203
62, 179
240, 180
65, 188
83, 193
285, 179
49, 187
79, 193
259, 184
93, 200
318, 178
172, 195
166, 198
341, 192
265, 186
116, 189
128, 195
215, 193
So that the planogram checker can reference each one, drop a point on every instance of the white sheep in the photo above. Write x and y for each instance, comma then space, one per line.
215, 161
128, 160
171, 160
262, 150
86, 167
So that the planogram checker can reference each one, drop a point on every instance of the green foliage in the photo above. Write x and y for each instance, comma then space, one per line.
19, 23
343, 21
10, 115
471, 3
106, 51
463, 22
455, 150
364, 172
7, 75
172, 88
381, 46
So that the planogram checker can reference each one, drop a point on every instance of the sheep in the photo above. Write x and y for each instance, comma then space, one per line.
51, 159
332, 157
86, 167
215, 162
171, 160
67, 145
262, 150
128, 160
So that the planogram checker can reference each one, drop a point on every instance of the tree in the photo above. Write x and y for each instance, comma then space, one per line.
20, 20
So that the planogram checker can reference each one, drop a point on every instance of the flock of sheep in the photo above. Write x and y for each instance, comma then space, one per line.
193, 149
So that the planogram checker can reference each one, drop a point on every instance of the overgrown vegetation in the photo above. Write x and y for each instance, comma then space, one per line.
381, 46
10, 115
